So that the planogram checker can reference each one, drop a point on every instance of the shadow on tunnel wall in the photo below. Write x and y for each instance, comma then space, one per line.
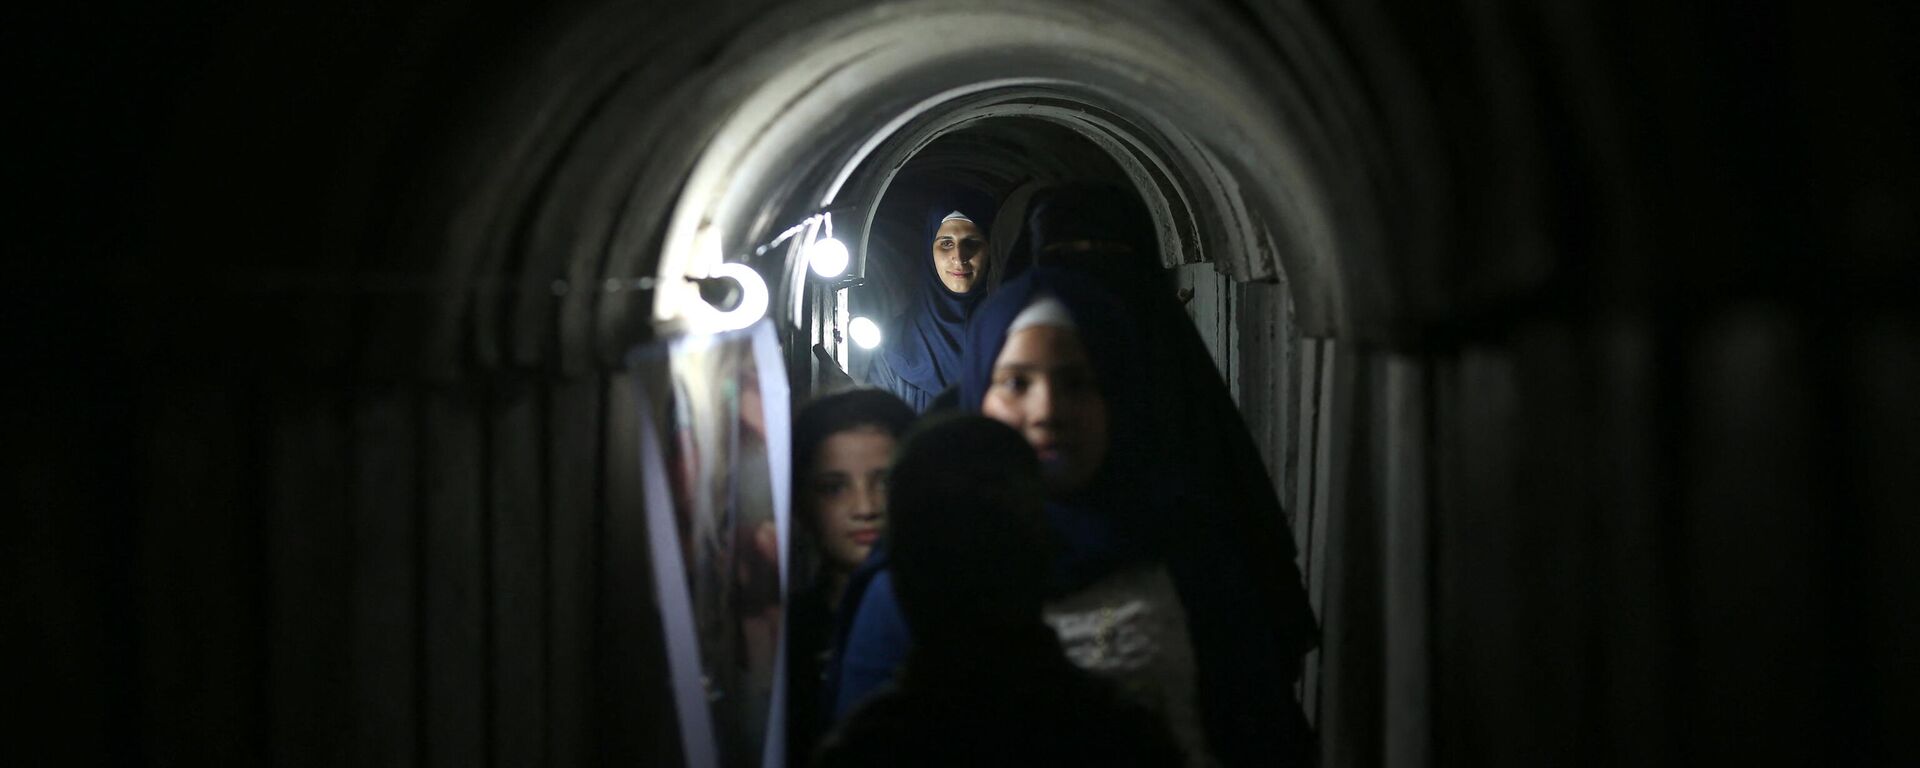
293, 487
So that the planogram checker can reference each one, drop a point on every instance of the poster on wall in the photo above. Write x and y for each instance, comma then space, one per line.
714, 444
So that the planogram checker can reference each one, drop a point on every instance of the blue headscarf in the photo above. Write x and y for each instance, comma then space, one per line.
924, 349
1112, 521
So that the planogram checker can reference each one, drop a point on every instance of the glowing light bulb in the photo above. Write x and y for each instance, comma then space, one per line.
864, 332
828, 257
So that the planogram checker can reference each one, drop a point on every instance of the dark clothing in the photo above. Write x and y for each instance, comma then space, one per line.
1181, 486
948, 400
999, 704
874, 646
1236, 570
810, 646
840, 696
920, 349
1185, 486
1126, 513
881, 375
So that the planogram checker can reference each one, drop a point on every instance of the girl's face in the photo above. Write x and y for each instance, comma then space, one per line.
846, 491
1044, 386
960, 255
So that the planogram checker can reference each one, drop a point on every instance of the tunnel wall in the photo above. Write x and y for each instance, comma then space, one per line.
1655, 534
1627, 480
394, 574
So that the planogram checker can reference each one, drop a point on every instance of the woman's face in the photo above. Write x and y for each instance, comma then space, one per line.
846, 491
960, 255
1044, 386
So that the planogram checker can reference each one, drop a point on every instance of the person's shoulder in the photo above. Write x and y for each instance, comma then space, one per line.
877, 602
900, 324
880, 372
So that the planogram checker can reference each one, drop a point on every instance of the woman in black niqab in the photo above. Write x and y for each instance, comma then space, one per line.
1214, 514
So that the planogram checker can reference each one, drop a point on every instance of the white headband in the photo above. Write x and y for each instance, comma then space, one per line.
957, 215
1045, 310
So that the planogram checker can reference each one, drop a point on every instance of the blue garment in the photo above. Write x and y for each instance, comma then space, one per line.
922, 348
1117, 517
1184, 486
881, 376
877, 644
1101, 527
883, 639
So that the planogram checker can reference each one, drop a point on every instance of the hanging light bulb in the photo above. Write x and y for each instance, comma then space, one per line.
864, 332
828, 257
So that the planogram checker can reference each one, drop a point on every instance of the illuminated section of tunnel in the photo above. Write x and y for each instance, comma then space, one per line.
1223, 158
644, 169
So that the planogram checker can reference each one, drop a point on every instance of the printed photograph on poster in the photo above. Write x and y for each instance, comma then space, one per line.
715, 439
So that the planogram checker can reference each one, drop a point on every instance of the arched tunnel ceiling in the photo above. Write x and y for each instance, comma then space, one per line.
533, 169
524, 176
761, 118
998, 155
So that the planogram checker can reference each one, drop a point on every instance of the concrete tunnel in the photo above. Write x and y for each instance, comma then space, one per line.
1578, 341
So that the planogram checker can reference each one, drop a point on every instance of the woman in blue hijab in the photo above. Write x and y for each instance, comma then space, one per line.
1175, 573
1085, 467
921, 353
1053, 364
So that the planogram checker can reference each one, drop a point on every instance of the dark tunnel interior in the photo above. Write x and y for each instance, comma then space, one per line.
1577, 343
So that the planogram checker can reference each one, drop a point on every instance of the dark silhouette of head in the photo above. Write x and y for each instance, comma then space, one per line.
1106, 232
970, 547
1089, 219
